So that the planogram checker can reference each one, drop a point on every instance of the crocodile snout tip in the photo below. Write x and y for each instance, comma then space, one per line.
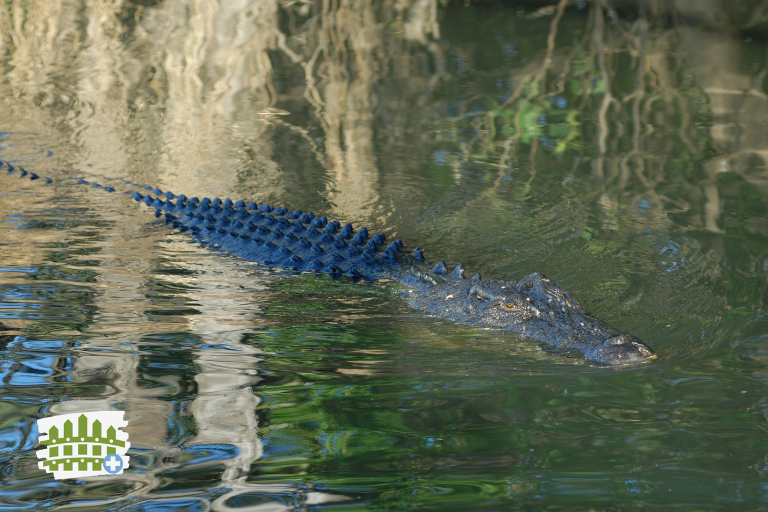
622, 349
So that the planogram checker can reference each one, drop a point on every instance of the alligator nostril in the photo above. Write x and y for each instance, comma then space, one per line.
644, 350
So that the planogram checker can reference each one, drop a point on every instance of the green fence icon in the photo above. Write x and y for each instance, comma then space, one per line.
82, 449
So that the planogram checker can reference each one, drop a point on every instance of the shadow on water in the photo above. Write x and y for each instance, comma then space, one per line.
618, 147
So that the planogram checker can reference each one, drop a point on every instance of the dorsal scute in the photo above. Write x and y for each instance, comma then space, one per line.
440, 268
279, 237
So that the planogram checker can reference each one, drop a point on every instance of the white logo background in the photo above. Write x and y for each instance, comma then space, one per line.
79, 443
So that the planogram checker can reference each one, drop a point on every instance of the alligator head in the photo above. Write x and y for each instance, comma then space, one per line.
533, 306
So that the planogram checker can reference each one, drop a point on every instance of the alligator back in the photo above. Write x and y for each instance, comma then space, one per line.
277, 237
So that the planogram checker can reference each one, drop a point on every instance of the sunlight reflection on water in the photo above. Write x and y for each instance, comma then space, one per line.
625, 158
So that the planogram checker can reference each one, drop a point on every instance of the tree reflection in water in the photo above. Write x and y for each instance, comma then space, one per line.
491, 132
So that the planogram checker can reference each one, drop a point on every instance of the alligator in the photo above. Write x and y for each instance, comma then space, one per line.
534, 306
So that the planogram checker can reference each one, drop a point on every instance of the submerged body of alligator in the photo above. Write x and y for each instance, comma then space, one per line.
533, 306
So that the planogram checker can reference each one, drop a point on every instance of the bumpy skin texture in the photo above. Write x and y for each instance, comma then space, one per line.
533, 306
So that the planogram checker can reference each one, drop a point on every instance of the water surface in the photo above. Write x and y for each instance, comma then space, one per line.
620, 151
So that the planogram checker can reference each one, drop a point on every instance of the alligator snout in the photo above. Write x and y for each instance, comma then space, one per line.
621, 349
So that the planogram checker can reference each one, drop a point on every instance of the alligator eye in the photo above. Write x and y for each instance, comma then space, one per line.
510, 305
480, 293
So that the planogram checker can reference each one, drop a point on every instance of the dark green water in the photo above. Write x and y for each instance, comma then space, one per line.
620, 150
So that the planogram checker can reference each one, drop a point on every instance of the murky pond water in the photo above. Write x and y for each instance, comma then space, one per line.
620, 150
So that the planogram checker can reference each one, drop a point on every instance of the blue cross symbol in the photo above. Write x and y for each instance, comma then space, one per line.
113, 463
